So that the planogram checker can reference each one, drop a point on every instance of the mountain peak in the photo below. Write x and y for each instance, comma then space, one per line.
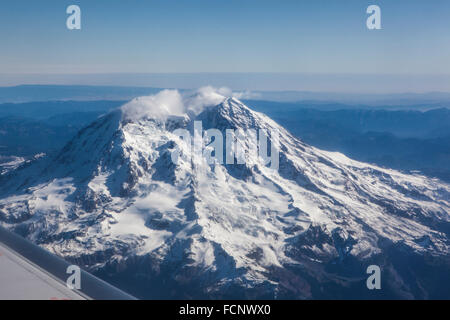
114, 199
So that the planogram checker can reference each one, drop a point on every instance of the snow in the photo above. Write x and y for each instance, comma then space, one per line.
248, 216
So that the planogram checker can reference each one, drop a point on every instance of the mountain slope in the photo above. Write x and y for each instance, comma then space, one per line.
114, 202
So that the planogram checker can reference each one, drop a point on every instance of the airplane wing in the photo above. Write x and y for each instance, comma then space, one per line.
28, 272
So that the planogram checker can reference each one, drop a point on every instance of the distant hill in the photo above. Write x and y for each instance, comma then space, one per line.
329, 100
28, 93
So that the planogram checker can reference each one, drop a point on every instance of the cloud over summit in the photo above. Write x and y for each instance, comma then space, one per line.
172, 102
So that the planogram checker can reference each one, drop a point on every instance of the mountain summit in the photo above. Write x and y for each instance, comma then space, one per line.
114, 202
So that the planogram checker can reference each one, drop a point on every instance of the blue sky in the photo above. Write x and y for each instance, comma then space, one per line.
166, 36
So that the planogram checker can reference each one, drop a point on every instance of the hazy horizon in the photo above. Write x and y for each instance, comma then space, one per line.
243, 45
255, 81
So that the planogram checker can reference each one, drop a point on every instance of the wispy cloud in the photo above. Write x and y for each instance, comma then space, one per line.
172, 102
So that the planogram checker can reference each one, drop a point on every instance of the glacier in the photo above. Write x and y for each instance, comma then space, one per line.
113, 202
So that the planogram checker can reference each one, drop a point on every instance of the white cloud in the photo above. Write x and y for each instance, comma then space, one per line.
163, 104
172, 102
205, 97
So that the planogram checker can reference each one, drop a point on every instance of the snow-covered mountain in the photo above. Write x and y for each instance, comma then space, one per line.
113, 201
